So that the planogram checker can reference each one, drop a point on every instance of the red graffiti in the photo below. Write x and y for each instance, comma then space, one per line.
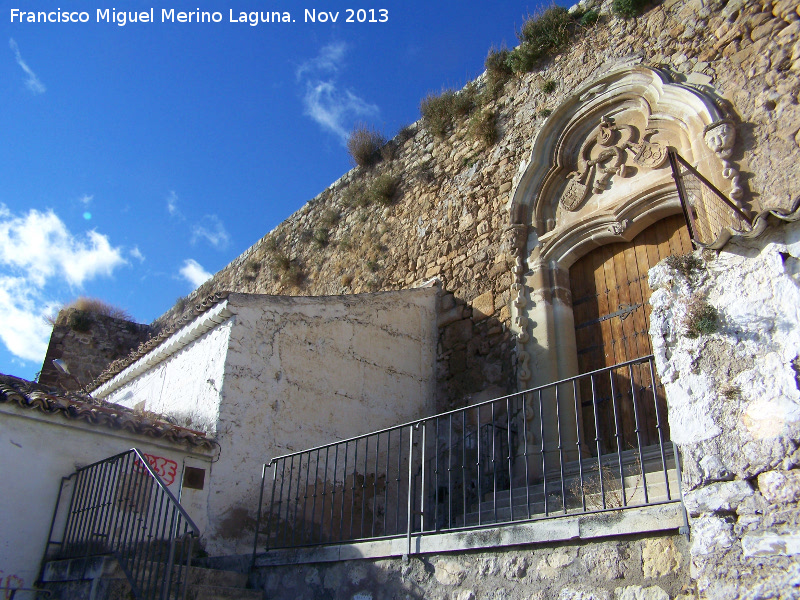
166, 468
11, 583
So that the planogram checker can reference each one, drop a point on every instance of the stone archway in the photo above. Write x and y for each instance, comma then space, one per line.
598, 174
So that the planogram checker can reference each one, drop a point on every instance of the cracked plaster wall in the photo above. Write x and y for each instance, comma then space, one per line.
734, 410
301, 372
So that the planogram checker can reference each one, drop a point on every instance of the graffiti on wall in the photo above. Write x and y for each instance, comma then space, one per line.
9, 584
166, 468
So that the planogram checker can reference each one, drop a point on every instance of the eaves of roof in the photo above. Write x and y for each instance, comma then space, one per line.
33, 396
200, 319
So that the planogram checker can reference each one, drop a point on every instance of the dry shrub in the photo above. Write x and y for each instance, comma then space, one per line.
364, 145
93, 306
541, 36
483, 127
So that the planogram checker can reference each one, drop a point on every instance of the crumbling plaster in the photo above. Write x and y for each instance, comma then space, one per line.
734, 410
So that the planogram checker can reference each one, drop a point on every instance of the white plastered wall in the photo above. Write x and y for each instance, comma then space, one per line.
36, 451
288, 373
305, 371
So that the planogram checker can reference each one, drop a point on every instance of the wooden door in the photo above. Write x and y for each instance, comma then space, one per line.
610, 300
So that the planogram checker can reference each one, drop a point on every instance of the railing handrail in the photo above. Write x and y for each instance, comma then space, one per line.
160, 482
455, 410
195, 530
712, 187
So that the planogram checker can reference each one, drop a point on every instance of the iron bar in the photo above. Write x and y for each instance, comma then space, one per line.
659, 430
409, 523
597, 443
617, 437
560, 453
544, 462
510, 478
578, 443
480, 461
525, 457
324, 492
637, 430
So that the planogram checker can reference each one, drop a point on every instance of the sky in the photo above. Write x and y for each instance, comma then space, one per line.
137, 159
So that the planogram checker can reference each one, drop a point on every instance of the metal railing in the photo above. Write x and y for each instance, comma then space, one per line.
120, 506
707, 210
594, 442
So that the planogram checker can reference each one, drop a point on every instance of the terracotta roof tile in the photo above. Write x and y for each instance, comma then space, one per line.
71, 405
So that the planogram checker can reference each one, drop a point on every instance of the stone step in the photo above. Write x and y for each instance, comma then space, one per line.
215, 592
634, 492
591, 483
76, 577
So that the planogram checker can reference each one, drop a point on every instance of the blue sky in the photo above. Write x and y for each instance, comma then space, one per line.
136, 160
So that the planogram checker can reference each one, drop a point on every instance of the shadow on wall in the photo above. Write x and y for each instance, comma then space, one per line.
476, 359
361, 580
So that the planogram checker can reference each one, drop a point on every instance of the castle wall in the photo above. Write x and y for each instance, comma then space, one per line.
451, 207
734, 409
87, 342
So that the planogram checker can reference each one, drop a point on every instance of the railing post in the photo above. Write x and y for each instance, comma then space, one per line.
409, 514
258, 517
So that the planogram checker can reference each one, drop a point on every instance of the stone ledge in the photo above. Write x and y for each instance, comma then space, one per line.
661, 517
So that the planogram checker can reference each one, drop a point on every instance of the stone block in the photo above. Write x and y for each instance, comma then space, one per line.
769, 543
717, 497
780, 487
635, 592
660, 557
710, 534
449, 572
483, 306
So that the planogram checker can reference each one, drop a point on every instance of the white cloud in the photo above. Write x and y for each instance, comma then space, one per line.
41, 246
37, 249
86, 199
23, 328
328, 60
33, 83
193, 272
324, 100
172, 205
137, 254
212, 230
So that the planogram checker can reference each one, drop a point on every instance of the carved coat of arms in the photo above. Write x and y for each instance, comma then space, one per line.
605, 153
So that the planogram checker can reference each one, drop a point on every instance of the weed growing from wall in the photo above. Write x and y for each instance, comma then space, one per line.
383, 188
497, 72
689, 266
628, 9
439, 111
364, 145
320, 237
701, 318
549, 86
79, 320
483, 127
541, 36
93, 306
589, 18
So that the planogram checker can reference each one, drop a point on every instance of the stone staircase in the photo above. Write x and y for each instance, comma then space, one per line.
569, 498
101, 578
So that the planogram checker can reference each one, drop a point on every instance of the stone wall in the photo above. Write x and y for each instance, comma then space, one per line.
734, 408
644, 568
87, 342
449, 213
